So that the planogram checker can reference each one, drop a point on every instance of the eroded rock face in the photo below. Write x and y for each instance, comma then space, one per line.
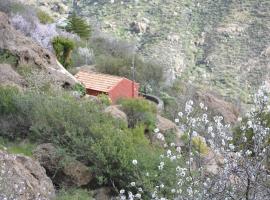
68, 174
30, 53
23, 178
219, 106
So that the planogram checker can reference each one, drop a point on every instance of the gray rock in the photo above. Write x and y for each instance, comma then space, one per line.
23, 178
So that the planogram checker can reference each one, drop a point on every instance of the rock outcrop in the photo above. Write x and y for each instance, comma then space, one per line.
226, 109
30, 53
117, 113
166, 126
63, 173
23, 178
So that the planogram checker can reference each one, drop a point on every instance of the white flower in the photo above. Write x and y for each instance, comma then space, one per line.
248, 152
122, 191
134, 162
210, 129
138, 195
176, 120
172, 190
231, 146
133, 184
180, 114
178, 149
201, 105
156, 130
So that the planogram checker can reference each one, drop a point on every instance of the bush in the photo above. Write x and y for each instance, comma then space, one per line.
82, 131
63, 48
44, 17
79, 88
7, 101
79, 26
139, 111
105, 100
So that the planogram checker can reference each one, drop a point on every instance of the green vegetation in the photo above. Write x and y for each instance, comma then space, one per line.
8, 58
74, 194
105, 100
139, 111
44, 17
63, 48
81, 130
22, 147
79, 88
116, 57
79, 26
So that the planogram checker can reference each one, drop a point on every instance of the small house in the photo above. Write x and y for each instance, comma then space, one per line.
114, 86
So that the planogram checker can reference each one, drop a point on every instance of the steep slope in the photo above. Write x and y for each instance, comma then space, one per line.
25, 52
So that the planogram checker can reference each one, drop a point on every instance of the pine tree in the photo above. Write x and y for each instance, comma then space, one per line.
79, 26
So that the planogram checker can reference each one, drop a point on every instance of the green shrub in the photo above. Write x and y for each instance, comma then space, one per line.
74, 194
44, 17
105, 100
63, 48
7, 101
81, 130
79, 26
139, 111
8, 58
79, 88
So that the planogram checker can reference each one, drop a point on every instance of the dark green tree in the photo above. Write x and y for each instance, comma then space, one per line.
79, 26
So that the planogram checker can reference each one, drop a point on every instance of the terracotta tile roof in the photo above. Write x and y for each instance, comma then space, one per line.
97, 81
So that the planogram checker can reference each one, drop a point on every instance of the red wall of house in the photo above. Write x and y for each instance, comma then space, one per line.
124, 90
93, 92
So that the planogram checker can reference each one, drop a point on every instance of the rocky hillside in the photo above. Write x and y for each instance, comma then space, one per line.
222, 44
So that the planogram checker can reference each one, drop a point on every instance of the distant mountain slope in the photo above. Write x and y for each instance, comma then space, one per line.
221, 44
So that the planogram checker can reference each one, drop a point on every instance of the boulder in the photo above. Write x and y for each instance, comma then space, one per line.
220, 107
30, 53
166, 126
23, 178
117, 113
64, 173
8, 76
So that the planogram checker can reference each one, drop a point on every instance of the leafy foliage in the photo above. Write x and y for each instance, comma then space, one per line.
79, 26
139, 111
63, 48
79, 88
81, 130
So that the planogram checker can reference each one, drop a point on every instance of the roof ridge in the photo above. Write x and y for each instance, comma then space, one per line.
99, 73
